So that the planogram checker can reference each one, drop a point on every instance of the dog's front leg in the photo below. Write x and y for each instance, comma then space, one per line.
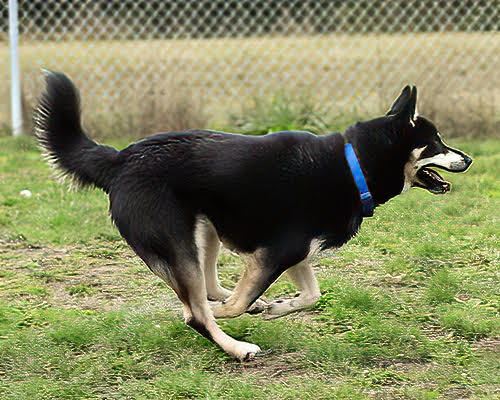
302, 275
255, 280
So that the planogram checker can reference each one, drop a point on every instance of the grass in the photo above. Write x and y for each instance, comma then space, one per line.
410, 307
442, 288
170, 83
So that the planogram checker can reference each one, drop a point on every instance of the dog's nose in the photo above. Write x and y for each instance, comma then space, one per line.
467, 160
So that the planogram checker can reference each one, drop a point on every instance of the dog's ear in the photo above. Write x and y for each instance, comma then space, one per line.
400, 102
405, 105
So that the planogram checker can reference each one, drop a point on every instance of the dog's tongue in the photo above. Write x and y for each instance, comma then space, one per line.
434, 182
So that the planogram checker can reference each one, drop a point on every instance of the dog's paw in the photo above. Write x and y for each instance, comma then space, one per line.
246, 351
280, 308
257, 307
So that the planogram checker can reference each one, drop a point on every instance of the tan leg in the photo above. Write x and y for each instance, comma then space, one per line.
199, 316
252, 284
302, 275
208, 244
191, 289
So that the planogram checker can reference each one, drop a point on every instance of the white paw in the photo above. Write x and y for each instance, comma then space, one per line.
280, 308
246, 351
219, 311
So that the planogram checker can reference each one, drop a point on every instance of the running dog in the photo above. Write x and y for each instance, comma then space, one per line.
174, 197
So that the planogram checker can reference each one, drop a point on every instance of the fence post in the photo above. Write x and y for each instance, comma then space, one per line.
15, 77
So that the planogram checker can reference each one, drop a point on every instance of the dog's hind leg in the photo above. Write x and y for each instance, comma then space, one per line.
302, 275
166, 242
208, 244
185, 276
188, 282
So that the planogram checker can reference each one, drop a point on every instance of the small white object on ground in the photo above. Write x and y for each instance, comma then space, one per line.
25, 193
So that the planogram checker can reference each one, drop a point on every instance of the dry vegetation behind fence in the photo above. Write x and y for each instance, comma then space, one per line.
140, 86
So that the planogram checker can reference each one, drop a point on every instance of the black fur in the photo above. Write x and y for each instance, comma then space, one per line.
59, 132
257, 191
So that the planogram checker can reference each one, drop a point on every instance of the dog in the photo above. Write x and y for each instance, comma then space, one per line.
174, 197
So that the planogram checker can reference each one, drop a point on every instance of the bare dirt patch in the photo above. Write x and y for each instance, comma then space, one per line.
488, 344
275, 367
72, 277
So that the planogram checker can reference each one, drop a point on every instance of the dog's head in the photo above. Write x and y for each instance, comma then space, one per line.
402, 150
427, 150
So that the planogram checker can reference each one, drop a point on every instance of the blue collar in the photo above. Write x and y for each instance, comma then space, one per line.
367, 204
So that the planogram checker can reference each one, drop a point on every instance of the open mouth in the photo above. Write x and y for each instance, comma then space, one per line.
432, 181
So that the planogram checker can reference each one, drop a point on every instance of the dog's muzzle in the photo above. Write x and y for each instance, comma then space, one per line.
431, 180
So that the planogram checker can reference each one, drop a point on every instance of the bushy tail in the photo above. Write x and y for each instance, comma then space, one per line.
60, 134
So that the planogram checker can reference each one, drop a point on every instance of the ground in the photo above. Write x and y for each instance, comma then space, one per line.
410, 307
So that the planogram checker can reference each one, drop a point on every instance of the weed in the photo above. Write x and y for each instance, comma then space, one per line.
281, 112
471, 320
442, 288
345, 302
34, 290
80, 290
383, 377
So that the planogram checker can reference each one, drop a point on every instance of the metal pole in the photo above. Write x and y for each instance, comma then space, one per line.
15, 76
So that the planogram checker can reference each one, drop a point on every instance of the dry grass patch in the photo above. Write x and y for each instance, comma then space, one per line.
128, 84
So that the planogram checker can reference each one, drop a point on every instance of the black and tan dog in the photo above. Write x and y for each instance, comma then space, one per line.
175, 196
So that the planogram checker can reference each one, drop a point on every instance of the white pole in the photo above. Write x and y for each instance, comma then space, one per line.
15, 76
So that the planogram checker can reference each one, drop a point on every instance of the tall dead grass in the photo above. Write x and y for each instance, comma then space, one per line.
156, 111
134, 88
130, 115
455, 113
458, 115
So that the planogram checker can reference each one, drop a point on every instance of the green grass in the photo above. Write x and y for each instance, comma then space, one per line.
410, 307
442, 288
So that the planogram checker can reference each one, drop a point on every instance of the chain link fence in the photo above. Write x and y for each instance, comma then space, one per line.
144, 65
